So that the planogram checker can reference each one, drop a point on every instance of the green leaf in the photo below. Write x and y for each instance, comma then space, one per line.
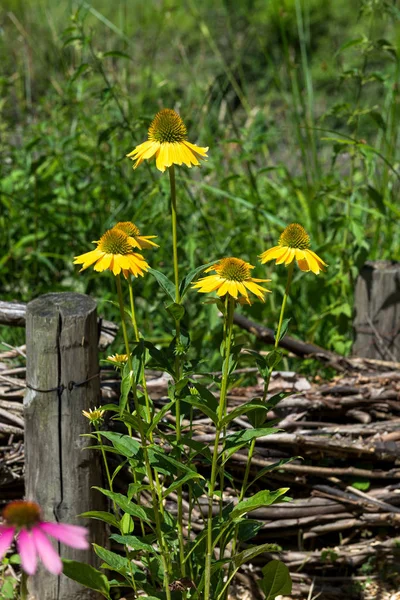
122, 501
160, 415
117, 54
248, 528
126, 524
87, 575
101, 516
160, 358
123, 443
361, 484
180, 481
80, 70
165, 283
192, 276
206, 394
284, 328
257, 418
203, 407
276, 580
250, 553
115, 561
255, 403
259, 500
246, 435
274, 358
350, 44
166, 464
135, 543
176, 311
240, 438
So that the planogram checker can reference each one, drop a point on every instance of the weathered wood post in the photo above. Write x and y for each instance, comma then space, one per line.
62, 374
377, 311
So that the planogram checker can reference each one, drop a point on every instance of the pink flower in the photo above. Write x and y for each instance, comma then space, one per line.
23, 519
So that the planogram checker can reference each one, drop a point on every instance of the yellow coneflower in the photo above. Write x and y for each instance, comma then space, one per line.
167, 141
294, 245
138, 241
94, 416
114, 252
233, 277
118, 359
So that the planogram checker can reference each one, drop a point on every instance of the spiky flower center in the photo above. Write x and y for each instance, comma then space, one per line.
22, 513
295, 236
167, 126
128, 228
115, 241
233, 269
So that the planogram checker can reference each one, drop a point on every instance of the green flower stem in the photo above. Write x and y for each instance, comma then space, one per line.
171, 171
133, 312
156, 501
265, 392
109, 480
178, 365
23, 592
230, 305
144, 385
123, 322
285, 297
136, 331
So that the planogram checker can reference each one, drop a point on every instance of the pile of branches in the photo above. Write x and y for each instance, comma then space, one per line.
342, 528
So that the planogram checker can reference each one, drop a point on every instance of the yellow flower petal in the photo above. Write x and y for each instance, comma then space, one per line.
312, 263
223, 289
103, 263
196, 149
233, 289
303, 264
162, 157
290, 257
282, 258
318, 259
88, 258
271, 254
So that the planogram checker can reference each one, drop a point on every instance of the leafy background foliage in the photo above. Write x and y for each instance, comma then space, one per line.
297, 100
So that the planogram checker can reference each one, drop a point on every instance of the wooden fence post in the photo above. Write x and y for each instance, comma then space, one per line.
377, 311
62, 379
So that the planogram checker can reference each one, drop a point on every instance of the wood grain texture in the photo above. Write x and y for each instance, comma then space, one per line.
377, 311
61, 347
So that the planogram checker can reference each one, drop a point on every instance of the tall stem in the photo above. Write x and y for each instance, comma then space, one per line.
178, 365
155, 500
171, 171
230, 305
133, 312
285, 297
136, 331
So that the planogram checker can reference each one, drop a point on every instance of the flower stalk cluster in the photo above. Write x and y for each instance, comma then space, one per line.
161, 455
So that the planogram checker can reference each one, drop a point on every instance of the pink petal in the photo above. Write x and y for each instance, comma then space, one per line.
6, 538
48, 555
70, 535
27, 552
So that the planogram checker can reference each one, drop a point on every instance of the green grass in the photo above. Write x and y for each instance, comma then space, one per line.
298, 102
